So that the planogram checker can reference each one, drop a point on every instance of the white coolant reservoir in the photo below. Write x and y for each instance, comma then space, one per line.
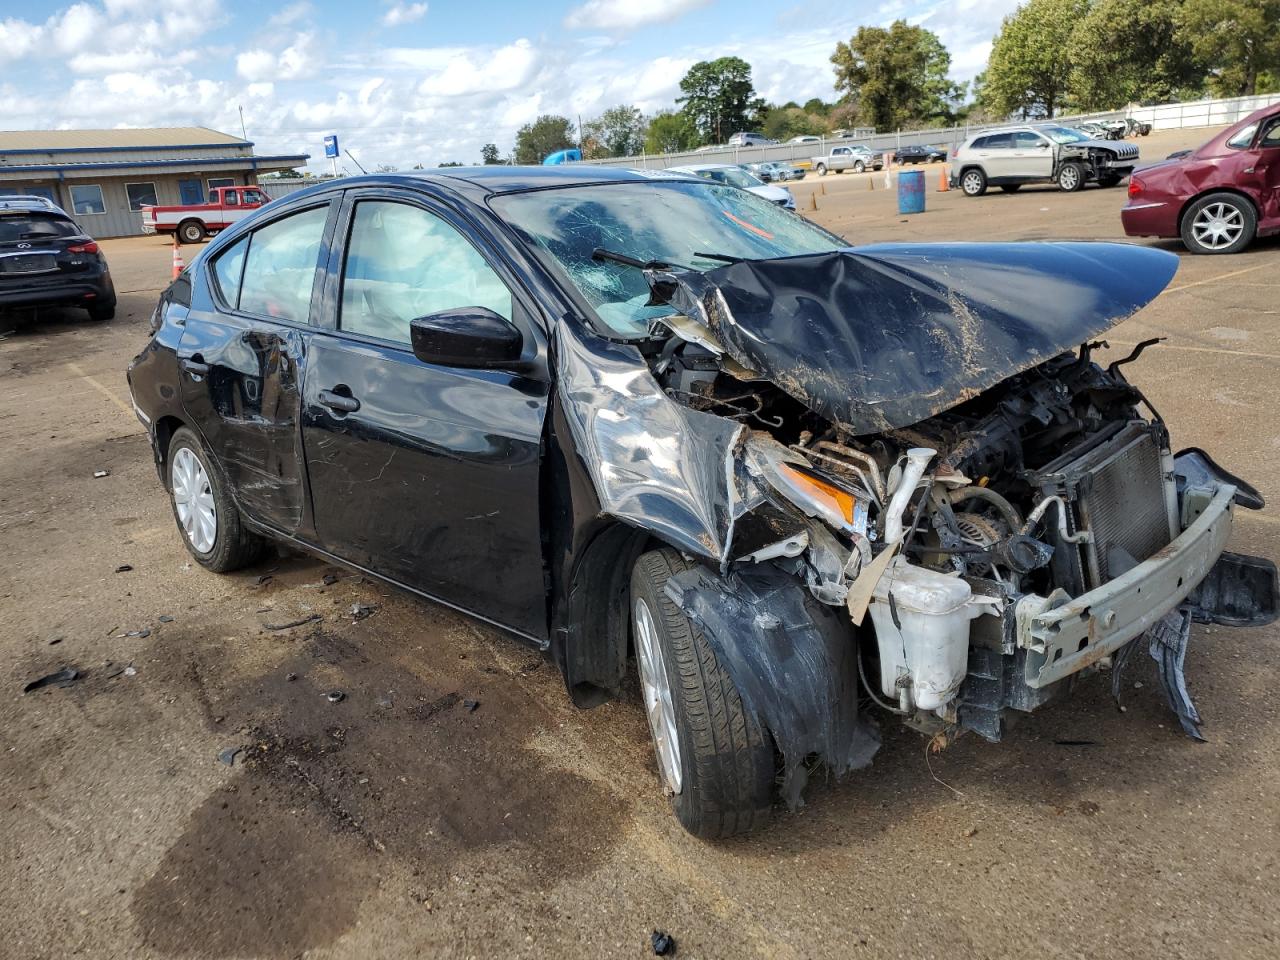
931, 645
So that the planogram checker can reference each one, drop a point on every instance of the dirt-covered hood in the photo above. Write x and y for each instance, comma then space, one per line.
881, 337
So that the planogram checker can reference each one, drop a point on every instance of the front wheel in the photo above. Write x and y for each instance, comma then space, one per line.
973, 183
715, 759
1070, 177
207, 518
859, 166
822, 169
1219, 223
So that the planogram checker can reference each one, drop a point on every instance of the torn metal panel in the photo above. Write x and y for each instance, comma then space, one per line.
793, 661
655, 463
884, 336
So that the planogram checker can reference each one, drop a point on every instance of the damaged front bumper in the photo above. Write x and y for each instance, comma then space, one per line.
1063, 638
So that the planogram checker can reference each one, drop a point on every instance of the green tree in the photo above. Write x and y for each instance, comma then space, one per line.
669, 132
719, 98
897, 77
1127, 51
489, 154
1238, 40
1029, 70
545, 135
784, 123
619, 131
447, 163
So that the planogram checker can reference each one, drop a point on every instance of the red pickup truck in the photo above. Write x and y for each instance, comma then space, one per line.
195, 221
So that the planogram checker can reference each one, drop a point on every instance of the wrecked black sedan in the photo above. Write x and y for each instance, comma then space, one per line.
610, 412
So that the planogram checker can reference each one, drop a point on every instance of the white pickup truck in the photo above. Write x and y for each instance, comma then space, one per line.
855, 158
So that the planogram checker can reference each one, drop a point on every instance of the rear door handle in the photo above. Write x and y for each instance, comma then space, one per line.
194, 366
336, 401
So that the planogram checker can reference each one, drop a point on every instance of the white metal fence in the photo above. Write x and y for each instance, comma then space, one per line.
1201, 113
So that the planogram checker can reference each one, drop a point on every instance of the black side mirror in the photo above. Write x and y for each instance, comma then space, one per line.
473, 337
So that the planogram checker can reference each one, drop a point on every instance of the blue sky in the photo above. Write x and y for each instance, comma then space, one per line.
418, 82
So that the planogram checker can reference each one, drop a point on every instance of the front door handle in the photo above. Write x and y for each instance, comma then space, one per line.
336, 401
194, 365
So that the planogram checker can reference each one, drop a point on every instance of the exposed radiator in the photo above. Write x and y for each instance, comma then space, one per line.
1121, 497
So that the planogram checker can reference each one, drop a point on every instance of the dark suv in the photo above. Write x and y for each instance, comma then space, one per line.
46, 259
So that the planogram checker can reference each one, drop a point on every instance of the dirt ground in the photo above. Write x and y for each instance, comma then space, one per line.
406, 821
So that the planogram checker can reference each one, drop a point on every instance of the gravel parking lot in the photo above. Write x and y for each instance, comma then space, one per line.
403, 821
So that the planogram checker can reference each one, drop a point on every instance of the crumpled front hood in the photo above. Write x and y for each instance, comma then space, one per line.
881, 337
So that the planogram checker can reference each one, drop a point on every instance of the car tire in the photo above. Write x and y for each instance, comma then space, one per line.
973, 182
1219, 223
1070, 177
859, 166
191, 231
1010, 187
822, 169
220, 543
724, 766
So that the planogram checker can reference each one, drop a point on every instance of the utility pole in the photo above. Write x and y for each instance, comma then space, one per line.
242, 130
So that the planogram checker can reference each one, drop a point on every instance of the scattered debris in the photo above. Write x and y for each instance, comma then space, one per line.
165, 618
664, 945
335, 696
62, 678
99, 474
292, 623
290, 677
228, 756
263, 580
386, 703
971, 832
1075, 743
471, 705
1089, 808
329, 579
123, 568
135, 634
360, 611
55, 641
130, 671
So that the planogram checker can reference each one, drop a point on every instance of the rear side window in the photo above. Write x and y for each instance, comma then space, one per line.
999, 141
271, 272
35, 226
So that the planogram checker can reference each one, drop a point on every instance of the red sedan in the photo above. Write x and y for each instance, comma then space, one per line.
1216, 198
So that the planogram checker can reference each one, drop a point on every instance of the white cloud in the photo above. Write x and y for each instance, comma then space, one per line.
296, 61
76, 29
483, 71
18, 38
627, 14
290, 15
402, 13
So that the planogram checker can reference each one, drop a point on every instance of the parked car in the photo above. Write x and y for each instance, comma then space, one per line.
192, 222
1039, 153
805, 138
750, 140
29, 198
762, 171
1218, 197
735, 176
920, 154
611, 411
856, 158
771, 171
47, 259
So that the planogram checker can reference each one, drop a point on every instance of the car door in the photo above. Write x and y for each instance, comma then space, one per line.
240, 357
994, 153
1031, 157
1261, 174
423, 473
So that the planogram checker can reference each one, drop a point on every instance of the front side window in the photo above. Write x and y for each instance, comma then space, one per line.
672, 221
140, 194
280, 267
1271, 137
1242, 139
403, 262
254, 196
231, 198
86, 198
1026, 140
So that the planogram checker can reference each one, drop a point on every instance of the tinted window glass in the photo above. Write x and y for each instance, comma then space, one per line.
280, 269
254, 196
140, 193
35, 226
87, 198
1272, 136
1026, 140
403, 262
999, 141
227, 269
979, 144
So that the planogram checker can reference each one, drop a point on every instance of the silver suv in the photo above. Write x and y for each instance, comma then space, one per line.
1039, 153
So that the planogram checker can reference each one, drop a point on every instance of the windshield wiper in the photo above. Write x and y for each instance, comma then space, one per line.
722, 257
600, 253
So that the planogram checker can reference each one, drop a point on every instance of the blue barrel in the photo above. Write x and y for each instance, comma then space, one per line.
911, 191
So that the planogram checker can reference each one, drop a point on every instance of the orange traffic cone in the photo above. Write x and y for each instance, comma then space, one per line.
943, 181
178, 263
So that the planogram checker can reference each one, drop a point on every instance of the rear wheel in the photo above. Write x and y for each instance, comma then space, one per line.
1070, 177
1219, 223
190, 231
973, 182
209, 521
1010, 187
715, 759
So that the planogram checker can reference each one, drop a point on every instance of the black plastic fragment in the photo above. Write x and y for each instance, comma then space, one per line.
61, 678
1167, 640
228, 756
664, 945
1240, 591
292, 623
471, 705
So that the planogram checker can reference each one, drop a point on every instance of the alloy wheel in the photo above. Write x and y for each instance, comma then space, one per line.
1218, 225
972, 182
658, 705
193, 500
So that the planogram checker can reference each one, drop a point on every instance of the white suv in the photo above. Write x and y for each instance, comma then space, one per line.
1039, 153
